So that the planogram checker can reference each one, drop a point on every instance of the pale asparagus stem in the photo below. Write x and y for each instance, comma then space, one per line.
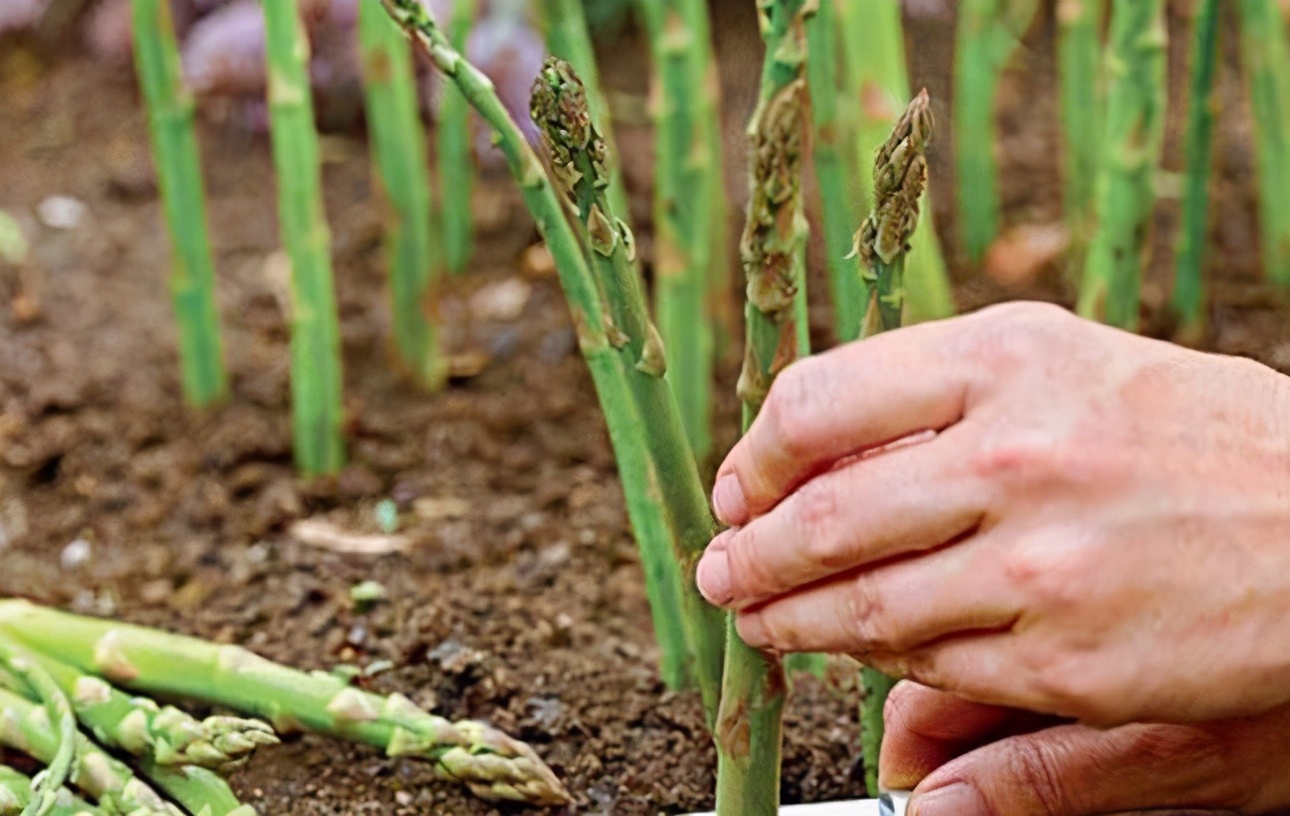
492, 764
1188, 299
316, 398
899, 181
138, 726
25, 727
684, 187
1265, 57
58, 711
1079, 49
192, 277
1133, 132
398, 146
772, 248
456, 161
15, 794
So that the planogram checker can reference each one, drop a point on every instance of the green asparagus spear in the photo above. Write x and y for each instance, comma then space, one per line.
899, 180
456, 161
200, 791
192, 278
16, 794
650, 445
57, 710
1079, 49
1266, 60
1188, 300
399, 151
685, 183
490, 763
315, 330
1130, 145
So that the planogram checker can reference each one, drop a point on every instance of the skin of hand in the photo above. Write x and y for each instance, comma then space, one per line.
1026, 509
968, 759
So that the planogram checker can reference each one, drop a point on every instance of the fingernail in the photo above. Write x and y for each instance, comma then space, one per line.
728, 500
959, 799
713, 575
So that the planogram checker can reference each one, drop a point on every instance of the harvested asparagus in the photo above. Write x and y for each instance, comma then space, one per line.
200, 791
1188, 299
1130, 149
455, 159
685, 181
1079, 49
192, 277
25, 727
16, 794
399, 153
315, 330
899, 180
619, 375
35, 681
490, 763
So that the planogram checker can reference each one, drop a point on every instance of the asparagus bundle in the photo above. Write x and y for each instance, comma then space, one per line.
16, 795
315, 330
1188, 299
456, 160
1130, 145
192, 279
899, 179
623, 353
1079, 47
399, 151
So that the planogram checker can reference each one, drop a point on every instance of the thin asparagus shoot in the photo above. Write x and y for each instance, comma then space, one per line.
399, 153
652, 455
198, 790
749, 729
455, 158
1130, 148
315, 330
1266, 60
684, 186
16, 794
899, 180
57, 710
192, 277
1079, 50
1188, 298
487, 761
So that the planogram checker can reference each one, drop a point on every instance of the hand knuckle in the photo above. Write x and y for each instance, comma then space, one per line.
749, 574
1036, 768
816, 509
1017, 333
865, 619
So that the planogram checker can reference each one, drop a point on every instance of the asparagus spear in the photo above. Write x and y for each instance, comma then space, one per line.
684, 186
200, 791
192, 278
899, 180
315, 330
138, 726
1130, 145
16, 794
456, 161
1079, 48
1188, 300
399, 151
490, 763
25, 727
57, 710
1267, 67
653, 456
749, 726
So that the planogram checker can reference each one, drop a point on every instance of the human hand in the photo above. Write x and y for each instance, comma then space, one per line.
1099, 528
970, 759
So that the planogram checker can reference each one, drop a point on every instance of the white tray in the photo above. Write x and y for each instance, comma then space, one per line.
853, 807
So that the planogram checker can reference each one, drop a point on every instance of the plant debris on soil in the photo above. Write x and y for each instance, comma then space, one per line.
510, 588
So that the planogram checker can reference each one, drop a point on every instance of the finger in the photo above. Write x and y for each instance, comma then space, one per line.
894, 607
1074, 770
839, 403
912, 497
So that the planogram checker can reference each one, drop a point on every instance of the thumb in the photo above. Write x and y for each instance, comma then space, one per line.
1074, 770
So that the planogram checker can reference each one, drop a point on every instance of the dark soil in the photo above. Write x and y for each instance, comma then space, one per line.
520, 601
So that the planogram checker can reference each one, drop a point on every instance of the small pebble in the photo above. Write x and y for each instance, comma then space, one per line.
61, 212
76, 554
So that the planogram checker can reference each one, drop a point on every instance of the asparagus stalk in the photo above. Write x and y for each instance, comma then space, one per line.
192, 277
1267, 68
200, 791
749, 726
685, 183
653, 456
57, 711
140, 727
1079, 48
456, 161
16, 794
1130, 145
873, 56
899, 180
490, 763
25, 727
315, 330
399, 152
1188, 300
